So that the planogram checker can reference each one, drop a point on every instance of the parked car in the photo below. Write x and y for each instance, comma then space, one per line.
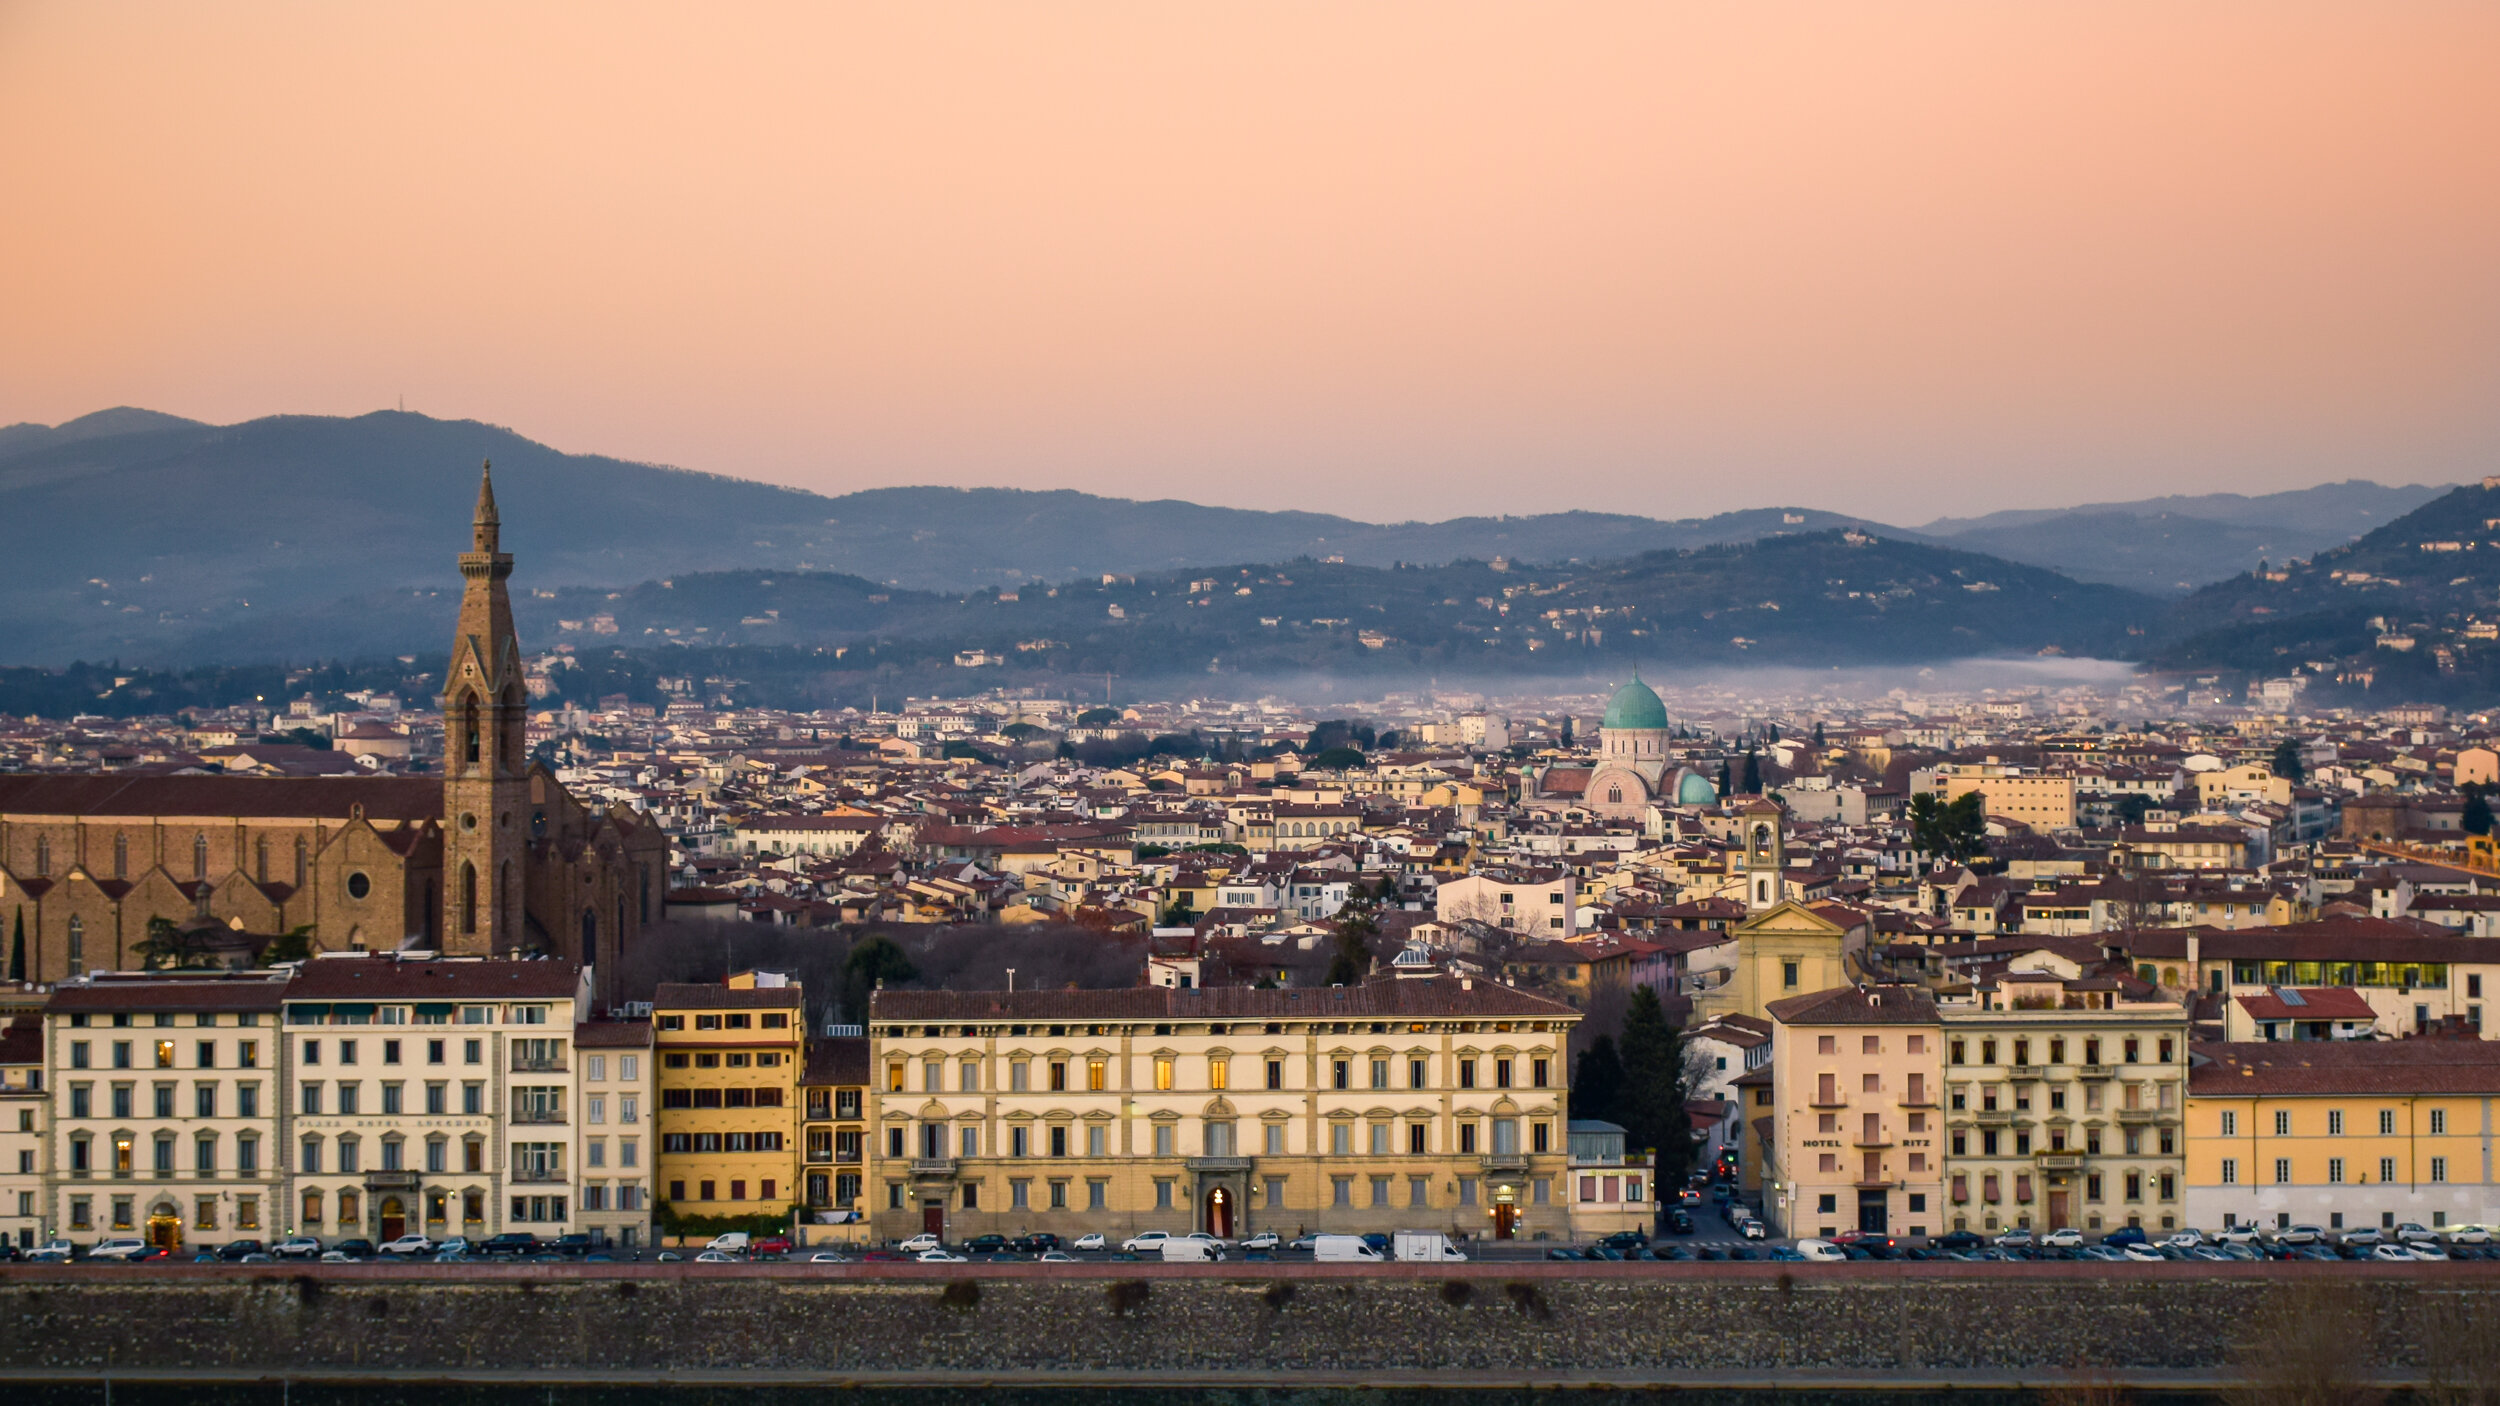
985, 1244
297, 1247
2127, 1235
2469, 1235
1090, 1240
1058, 1257
1038, 1242
233, 1251
454, 1245
511, 1242
123, 1248
919, 1244
2412, 1232
2301, 1235
940, 1257
1264, 1240
716, 1257
1821, 1251
1146, 1240
2014, 1238
733, 1242
1958, 1240
574, 1244
828, 1257
2236, 1235
52, 1252
1624, 1240
2393, 1254
407, 1245
2064, 1237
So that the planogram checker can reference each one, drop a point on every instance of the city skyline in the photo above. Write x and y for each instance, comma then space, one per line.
1635, 261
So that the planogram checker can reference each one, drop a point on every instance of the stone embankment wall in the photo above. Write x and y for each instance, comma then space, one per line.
1498, 1322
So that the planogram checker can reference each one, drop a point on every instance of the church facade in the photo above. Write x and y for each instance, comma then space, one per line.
495, 858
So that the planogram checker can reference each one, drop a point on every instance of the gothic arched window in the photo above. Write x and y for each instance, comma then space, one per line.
468, 898
43, 856
1614, 794
590, 938
121, 856
77, 946
199, 855
469, 730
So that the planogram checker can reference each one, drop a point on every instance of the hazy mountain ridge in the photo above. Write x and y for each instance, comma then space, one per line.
143, 536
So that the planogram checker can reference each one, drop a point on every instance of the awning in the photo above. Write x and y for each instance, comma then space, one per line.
427, 1008
306, 1012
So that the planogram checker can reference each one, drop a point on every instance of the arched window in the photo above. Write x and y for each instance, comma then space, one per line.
299, 861
260, 858
199, 855
1614, 795
468, 898
77, 946
590, 938
508, 903
469, 730
121, 856
43, 856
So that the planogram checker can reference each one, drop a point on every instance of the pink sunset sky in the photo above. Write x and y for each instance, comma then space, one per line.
1388, 259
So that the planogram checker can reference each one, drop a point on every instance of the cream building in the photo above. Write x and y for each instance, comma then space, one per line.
22, 1108
1413, 1101
2065, 1104
2041, 801
616, 1089
1855, 1141
164, 1107
432, 1095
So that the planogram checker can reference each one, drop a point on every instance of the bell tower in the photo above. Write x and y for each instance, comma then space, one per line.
1766, 860
485, 761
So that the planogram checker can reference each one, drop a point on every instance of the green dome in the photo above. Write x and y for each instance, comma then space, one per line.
1694, 789
1635, 707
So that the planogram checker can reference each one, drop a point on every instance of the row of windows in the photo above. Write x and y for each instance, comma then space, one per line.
722, 1142
707, 1190
2335, 1171
124, 1020
731, 1020
2433, 975
205, 1100
2133, 1184
1167, 1028
2130, 1050
1096, 1071
82, 1213
1345, 1192
122, 1149
125, 1054
429, 1014
2229, 1124
729, 1059
2132, 1141
764, 1097
1217, 1139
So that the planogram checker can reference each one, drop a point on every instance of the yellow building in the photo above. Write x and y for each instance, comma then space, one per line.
2043, 802
2342, 1134
1854, 1141
2064, 1101
1413, 1101
1783, 948
730, 1057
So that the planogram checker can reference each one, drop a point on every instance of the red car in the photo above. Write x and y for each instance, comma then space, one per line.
1862, 1237
885, 1256
769, 1245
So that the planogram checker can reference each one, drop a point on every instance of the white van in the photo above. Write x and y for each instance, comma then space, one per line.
1188, 1249
735, 1242
1425, 1245
1821, 1251
1342, 1248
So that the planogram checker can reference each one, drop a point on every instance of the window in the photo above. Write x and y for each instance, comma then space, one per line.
1466, 1073
2283, 1128
1163, 1140
1539, 1071
1275, 1073
1341, 1192
1827, 1044
2335, 1171
1380, 1073
2386, 1123
2439, 1122
2335, 1122
1097, 1075
1219, 1072
2230, 1123
2230, 1171
1275, 1143
1163, 1072
2439, 1169
2282, 1171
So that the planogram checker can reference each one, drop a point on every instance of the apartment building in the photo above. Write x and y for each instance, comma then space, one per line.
164, 1106
2342, 1135
1855, 1141
617, 1092
2039, 800
833, 1092
1413, 1100
22, 1108
730, 1057
432, 1095
2065, 1104
2412, 980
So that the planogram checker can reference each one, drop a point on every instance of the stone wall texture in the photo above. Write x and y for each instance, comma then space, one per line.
1039, 1321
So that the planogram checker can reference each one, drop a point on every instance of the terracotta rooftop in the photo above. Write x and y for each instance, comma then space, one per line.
392, 798
2393, 1067
1402, 998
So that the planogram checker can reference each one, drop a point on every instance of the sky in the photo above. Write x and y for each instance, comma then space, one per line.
1395, 260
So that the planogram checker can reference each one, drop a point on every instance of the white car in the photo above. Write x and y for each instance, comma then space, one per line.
1058, 1257
828, 1257
2065, 1237
2236, 1235
337, 1257
1822, 1252
2469, 1235
1146, 1240
715, 1257
52, 1250
2299, 1235
923, 1241
2411, 1231
2426, 1250
2143, 1254
2185, 1239
940, 1257
2014, 1236
1751, 1228
121, 1248
2364, 1235
2392, 1254
407, 1245
1090, 1240
296, 1247
1264, 1240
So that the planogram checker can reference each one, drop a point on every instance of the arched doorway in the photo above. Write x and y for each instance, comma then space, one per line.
394, 1218
1220, 1213
165, 1227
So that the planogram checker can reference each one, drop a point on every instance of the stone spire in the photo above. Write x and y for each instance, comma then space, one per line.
487, 529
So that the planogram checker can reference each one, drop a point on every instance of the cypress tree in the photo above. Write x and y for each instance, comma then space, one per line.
1597, 1087
1651, 1105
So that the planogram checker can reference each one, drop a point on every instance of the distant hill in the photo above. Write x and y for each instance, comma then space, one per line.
2175, 544
2399, 615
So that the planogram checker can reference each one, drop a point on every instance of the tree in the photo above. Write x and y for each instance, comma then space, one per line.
1655, 1085
1355, 930
1337, 759
1597, 1085
1818, 734
1955, 831
2286, 761
872, 961
2477, 818
1724, 789
1753, 774
170, 947
293, 945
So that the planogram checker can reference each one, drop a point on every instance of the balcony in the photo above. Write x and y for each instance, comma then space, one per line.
1505, 1162
540, 1116
2141, 1115
538, 1176
538, 1066
2027, 1073
1879, 1140
400, 1181
2096, 1071
1994, 1117
1218, 1165
933, 1168
2063, 1159
1838, 1103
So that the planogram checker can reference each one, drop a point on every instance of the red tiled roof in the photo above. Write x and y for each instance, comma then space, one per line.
1388, 997
2394, 1067
259, 991
2317, 1003
402, 798
384, 978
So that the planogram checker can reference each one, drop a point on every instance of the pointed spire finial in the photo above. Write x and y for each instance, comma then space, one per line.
488, 522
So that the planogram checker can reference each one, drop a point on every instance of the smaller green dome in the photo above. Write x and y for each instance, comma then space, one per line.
1635, 707
1694, 789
